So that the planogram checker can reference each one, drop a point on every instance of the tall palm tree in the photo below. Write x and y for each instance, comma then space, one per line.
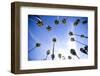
36, 45
82, 36
72, 39
47, 53
73, 52
53, 55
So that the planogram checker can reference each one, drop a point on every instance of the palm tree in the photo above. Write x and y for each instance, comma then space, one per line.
64, 21
72, 51
56, 22
76, 22
47, 53
54, 41
86, 48
36, 45
39, 22
69, 57
72, 39
49, 28
83, 50
85, 21
59, 55
71, 33
82, 36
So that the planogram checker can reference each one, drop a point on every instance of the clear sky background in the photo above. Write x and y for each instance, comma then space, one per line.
61, 31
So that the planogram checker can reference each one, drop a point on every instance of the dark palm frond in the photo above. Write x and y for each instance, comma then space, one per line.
71, 33
38, 44
54, 40
85, 21
64, 21
82, 36
72, 51
56, 22
60, 55
49, 28
39, 23
48, 52
76, 22
86, 47
72, 39
83, 51
69, 57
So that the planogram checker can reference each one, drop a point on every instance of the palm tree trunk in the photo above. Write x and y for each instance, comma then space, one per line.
81, 43
53, 50
31, 49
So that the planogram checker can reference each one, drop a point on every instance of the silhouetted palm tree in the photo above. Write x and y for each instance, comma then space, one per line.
54, 41
72, 39
85, 21
64, 21
86, 48
39, 22
76, 22
72, 51
82, 36
36, 45
59, 55
56, 22
71, 33
69, 57
83, 50
47, 53
49, 28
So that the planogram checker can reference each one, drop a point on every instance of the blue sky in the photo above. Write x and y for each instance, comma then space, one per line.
61, 31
